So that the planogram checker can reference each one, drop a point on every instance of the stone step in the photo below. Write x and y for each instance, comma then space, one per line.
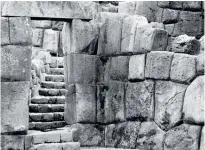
56, 62
54, 78
53, 85
43, 126
48, 100
104, 148
57, 71
46, 108
52, 92
57, 146
46, 117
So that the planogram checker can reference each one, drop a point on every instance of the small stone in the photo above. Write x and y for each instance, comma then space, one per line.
183, 68
169, 28
182, 137
158, 65
168, 103
186, 44
191, 5
140, 100
200, 60
175, 4
46, 24
137, 67
51, 40
170, 16
57, 25
193, 107
5, 31
37, 37
150, 137
11, 142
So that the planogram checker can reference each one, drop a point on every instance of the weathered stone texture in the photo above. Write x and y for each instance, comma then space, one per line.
158, 65
186, 44
89, 134
202, 44
57, 25
194, 101
51, 40
200, 60
58, 9
168, 103
183, 68
126, 8
169, 28
14, 102
9, 142
37, 37
77, 97
140, 100
15, 63
41, 24
170, 16
137, 67
150, 137
192, 5
148, 38
182, 137
5, 31
122, 135
202, 144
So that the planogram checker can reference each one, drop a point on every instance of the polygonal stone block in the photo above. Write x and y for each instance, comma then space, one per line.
192, 6
169, 28
15, 63
158, 65
126, 8
12, 142
170, 16
14, 102
183, 68
5, 31
193, 107
77, 97
57, 25
137, 67
150, 136
168, 103
37, 37
140, 100
182, 137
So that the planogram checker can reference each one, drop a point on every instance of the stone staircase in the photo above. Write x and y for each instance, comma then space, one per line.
46, 112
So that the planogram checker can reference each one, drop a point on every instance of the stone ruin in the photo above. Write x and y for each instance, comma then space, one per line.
93, 75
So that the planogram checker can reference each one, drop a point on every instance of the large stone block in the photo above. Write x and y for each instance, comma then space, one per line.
150, 137
80, 37
148, 38
11, 142
126, 7
80, 68
15, 63
158, 65
190, 23
51, 40
58, 9
200, 60
122, 135
140, 100
77, 97
20, 31
5, 31
182, 137
170, 16
129, 27
168, 103
202, 144
183, 68
194, 101
186, 44
89, 134
45, 24
14, 107
192, 5
37, 37
111, 102
137, 67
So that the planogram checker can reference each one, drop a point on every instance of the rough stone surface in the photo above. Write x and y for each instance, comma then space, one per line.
183, 68
150, 39
20, 31
79, 96
150, 137
51, 40
129, 27
80, 68
169, 28
15, 63
192, 5
41, 24
140, 100
158, 65
58, 9
200, 64
14, 102
12, 142
57, 25
170, 16
5, 31
186, 44
168, 103
194, 102
202, 43
37, 37
122, 135
137, 67
89, 135
202, 144
182, 137
191, 23
126, 8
